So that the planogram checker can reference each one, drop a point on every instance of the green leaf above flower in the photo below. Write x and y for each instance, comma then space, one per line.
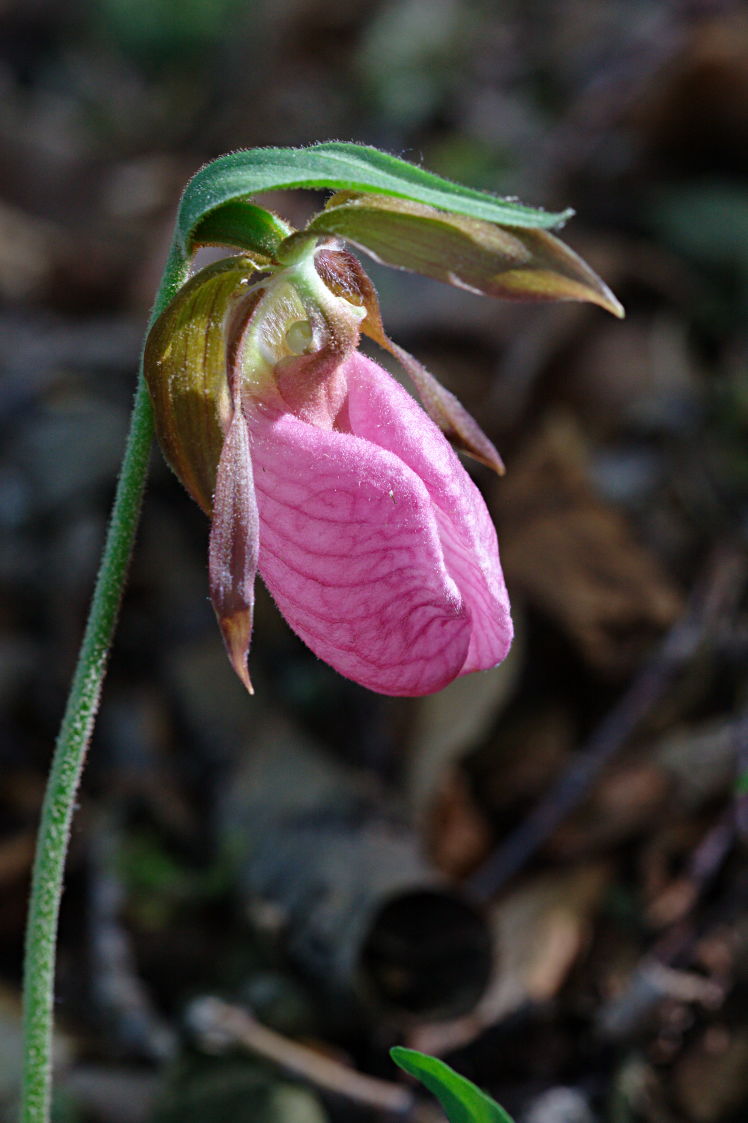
340, 166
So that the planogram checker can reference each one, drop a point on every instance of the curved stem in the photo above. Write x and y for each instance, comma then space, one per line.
74, 737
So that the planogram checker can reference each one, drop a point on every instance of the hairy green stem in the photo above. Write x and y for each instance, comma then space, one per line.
74, 737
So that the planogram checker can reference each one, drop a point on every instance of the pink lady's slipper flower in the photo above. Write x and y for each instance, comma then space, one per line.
319, 471
322, 474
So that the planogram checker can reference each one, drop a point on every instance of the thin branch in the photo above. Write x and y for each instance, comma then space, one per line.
221, 1025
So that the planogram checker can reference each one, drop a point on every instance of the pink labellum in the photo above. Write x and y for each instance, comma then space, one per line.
374, 542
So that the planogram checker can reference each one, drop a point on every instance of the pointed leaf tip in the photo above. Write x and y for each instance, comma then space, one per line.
237, 634
462, 1101
610, 302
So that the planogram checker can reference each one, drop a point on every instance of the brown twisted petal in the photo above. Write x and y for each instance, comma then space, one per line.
344, 273
235, 545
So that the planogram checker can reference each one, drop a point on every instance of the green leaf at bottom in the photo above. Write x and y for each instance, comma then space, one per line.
462, 1101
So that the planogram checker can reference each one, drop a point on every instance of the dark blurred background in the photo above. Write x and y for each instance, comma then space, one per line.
587, 797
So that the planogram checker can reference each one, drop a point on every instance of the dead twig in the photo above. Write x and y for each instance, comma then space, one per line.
656, 976
220, 1025
711, 602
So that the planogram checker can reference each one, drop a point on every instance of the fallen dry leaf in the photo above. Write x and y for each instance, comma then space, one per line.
575, 558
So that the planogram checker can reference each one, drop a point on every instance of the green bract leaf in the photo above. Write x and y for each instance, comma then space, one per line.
462, 1101
470, 253
244, 225
341, 167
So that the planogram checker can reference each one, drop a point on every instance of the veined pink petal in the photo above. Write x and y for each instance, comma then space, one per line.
374, 542
381, 411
